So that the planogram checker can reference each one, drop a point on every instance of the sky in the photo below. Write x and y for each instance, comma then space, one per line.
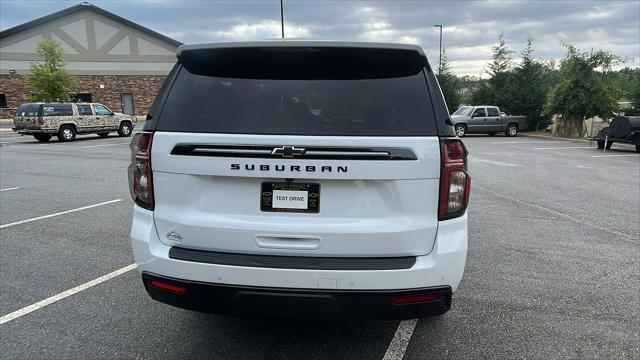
470, 28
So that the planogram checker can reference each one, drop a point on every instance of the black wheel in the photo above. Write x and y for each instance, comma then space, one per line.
66, 133
125, 129
609, 144
461, 130
600, 144
492, 133
637, 148
103, 135
42, 137
512, 130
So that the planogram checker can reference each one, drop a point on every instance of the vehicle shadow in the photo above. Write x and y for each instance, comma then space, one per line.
244, 338
27, 139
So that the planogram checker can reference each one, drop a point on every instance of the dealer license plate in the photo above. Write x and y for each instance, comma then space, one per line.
290, 197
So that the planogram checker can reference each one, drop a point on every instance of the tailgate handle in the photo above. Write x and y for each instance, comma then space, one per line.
290, 242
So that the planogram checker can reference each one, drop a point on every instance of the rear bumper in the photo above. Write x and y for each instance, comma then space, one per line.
297, 303
442, 268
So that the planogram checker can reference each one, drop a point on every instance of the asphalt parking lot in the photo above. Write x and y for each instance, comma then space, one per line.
552, 269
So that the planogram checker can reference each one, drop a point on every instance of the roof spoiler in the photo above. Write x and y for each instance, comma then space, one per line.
303, 60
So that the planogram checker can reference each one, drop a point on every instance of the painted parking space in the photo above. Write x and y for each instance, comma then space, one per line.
532, 229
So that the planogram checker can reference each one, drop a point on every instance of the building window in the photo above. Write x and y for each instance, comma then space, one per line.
3, 101
83, 97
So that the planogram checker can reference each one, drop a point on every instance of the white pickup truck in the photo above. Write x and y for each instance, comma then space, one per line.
484, 119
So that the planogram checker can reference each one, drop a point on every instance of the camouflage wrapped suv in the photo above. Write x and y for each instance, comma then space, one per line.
65, 120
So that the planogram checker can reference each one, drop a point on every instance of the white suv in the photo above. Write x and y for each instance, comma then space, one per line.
300, 179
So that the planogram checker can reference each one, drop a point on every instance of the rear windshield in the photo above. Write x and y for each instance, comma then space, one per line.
22, 110
391, 106
33, 110
463, 110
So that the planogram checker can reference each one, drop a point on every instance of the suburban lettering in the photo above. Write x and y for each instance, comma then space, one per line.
297, 168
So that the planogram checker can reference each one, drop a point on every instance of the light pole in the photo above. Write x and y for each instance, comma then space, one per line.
282, 17
440, 62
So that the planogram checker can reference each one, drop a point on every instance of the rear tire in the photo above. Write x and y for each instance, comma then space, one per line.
66, 133
125, 129
461, 130
42, 137
609, 144
638, 148
600, 144
103, 134
512, 130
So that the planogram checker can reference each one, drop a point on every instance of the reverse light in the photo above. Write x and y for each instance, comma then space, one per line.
454, 179
140, 172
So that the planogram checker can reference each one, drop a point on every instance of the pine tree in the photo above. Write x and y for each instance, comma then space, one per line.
448, 83
494, 91
499, 70
527, 88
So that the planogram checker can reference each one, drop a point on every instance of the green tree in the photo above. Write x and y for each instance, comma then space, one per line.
448, 84
627, 83
583, 90
494, 91
500, 71
49, 80
527, 89
483, 94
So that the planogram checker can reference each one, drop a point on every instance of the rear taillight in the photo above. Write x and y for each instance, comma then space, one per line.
40, 120
140, 173
454, 179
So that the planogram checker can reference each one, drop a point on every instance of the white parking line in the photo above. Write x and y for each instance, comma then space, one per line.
7, 189
525, 142
59, 213
500, 163
599, 156
92, 146
50, 300
400, 341
564, 147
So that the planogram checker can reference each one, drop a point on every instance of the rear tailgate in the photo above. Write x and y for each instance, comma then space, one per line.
27, 117
374, 208
353, 129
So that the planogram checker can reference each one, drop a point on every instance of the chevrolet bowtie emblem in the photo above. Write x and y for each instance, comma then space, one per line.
288, 151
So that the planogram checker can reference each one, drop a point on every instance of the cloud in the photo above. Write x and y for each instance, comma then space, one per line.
470, 28
264, 29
